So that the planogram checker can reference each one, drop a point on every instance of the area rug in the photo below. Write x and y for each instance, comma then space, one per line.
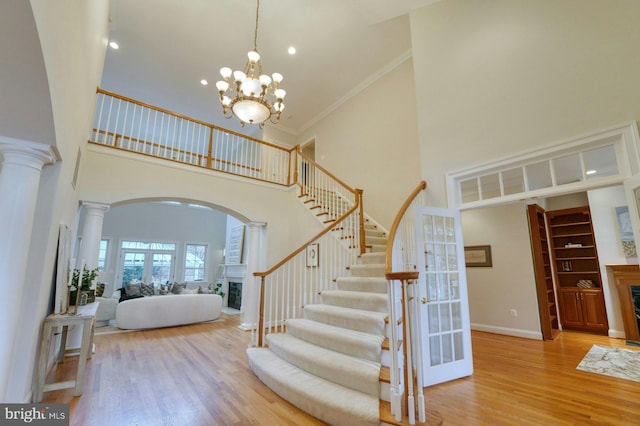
614, 362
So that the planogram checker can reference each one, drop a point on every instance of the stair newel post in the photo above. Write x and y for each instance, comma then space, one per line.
261, 315
296, 165
363, 247
210, 149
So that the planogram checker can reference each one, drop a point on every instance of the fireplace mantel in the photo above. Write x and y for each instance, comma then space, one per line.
626, 276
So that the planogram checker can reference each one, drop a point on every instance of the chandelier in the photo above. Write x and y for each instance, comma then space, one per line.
253, 98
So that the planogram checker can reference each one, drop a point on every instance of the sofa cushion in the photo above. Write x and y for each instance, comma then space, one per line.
177, 288
133, 289
147, 289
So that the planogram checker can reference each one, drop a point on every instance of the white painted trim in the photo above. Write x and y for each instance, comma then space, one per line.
359, 88
515, 332
624, 137
616, 334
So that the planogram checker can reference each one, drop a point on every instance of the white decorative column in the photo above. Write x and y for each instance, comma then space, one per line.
91, 233
255, 263
20, 172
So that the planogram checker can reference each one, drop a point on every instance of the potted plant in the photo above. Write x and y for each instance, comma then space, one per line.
83, 281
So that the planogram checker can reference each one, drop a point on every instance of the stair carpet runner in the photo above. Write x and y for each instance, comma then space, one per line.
328, 362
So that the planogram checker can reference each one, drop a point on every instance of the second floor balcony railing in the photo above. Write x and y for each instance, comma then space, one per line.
129, 125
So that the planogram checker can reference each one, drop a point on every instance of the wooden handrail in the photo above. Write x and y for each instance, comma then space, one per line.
194, 120
328, 173
396, 222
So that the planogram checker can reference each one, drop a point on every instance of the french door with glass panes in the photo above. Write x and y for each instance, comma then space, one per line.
147, 266
445, 326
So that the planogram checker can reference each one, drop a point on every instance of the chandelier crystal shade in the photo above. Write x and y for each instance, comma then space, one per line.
250, 95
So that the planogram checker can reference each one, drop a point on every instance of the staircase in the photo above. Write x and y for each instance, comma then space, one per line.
330, 362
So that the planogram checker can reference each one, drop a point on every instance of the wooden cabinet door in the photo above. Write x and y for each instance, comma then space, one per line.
571, 308
593, 311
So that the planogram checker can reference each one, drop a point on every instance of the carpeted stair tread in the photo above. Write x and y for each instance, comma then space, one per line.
374, 232
376, 270
343, 340
373, 258
370, 284
376, 240
354, 319
355, 373
377, 248
376, 302
327, 401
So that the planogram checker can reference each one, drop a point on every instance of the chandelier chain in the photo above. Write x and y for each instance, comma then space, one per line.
255, 35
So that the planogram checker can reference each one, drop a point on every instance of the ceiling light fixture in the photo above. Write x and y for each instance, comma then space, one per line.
251, 100
114, 45
592, 172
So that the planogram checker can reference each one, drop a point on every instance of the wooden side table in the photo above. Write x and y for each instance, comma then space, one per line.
86, 318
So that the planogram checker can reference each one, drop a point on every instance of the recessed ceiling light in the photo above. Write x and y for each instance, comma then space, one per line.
204, 82
291, 50
114, 45
592, 172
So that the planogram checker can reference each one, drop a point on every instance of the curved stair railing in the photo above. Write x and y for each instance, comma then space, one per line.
299, 278
404, 310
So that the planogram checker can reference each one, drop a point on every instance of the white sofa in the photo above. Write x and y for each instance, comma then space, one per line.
167, 311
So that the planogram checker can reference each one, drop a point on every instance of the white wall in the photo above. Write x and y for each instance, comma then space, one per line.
499, 77
510, 282
72, 34
602, 203
371, 143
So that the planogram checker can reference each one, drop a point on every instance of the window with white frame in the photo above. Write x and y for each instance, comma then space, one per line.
102, 255
195, 262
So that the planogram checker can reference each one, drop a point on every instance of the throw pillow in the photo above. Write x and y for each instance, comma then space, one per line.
187, 291
133, 289
177, 288
147, 289
204, 290
100, 289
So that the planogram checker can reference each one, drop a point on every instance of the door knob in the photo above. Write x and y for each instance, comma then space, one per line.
423, 300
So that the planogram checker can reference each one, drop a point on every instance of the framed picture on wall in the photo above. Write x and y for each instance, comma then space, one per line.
478, 256
234, 251
312, 255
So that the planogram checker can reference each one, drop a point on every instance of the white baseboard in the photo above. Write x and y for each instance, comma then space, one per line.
527, 334
616, 334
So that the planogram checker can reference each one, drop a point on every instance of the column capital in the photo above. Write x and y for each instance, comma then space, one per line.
26, 153
91, 205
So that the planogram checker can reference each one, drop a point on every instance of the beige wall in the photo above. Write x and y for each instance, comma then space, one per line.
510, 282
371, 142
498, 77
289, 224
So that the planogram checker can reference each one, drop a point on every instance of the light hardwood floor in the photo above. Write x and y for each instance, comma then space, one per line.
198, 375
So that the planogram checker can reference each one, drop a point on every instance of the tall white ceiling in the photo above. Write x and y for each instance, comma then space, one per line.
168, 46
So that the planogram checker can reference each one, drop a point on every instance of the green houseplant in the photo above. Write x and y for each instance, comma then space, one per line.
83, 281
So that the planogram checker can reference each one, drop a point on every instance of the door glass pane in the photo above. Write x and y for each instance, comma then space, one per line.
454, 286
133, 267
452, 258
450, 230
427, 223
443, 287
447, 349
434, 323
438, 225
430, 260
440, 257
445, 313
434, 347
432, 287
458, 347
456, 315
161, 269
